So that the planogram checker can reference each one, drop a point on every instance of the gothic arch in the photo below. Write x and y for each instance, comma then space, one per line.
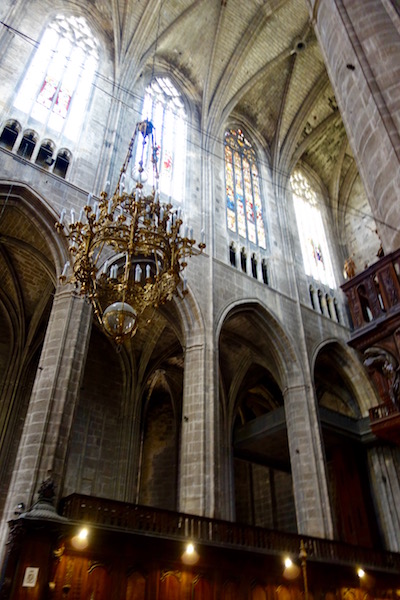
20, 196
348, 366
187, 316
94, 21
283, 349
343, 393
129, 396
260, 145
189, 94
257, 363
31, 254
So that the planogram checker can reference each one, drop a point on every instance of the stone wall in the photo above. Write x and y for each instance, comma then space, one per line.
88, 423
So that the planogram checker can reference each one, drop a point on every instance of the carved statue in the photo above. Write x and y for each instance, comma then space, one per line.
349, 268
382, 361
47, 491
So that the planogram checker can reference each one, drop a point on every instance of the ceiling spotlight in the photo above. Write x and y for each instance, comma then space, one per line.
190, 548
190, 556
291, 570
80, 541
288, 562
361, 573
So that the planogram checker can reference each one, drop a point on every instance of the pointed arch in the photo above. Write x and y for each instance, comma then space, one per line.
257, 363
30, 257
163, 105
244, 207
58, 83
314, 246
332, 356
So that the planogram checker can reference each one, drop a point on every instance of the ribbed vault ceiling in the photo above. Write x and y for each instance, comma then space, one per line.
257, 60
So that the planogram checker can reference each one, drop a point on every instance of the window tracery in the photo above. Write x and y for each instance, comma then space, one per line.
164, 107
56, 88
314, 246
242, 188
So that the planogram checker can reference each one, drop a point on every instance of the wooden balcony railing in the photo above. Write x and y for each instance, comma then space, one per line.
374, 294
121, 516
382, 411
385, 422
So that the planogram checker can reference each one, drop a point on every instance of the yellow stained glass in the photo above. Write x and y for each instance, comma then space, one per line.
243, 199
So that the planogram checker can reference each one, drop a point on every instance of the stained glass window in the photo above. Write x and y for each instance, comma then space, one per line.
56, 88
242, 189
314, 246
164, 107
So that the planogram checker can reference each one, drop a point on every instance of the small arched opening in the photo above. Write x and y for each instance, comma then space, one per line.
9, 134
62, 162
28, 143
45, 154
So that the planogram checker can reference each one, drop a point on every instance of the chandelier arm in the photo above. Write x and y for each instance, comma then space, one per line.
155, 157
102, 244
125, 164
154, 251
129, 252
142, 154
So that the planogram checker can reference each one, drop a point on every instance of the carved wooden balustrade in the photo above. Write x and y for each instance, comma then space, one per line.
374, 302
385, 422
144, 520
374, 294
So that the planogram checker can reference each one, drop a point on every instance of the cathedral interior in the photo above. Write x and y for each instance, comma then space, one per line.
200, 299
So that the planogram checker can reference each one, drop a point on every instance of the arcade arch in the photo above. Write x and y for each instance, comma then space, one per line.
134, 396
342, 391
30, 256
256, 363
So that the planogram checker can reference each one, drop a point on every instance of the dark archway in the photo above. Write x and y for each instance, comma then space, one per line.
251, 387
29, 259
133, 396
346, 438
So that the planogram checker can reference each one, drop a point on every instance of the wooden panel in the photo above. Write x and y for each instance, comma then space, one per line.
283, 593
230, 590
258, 593
201, 589
79, 577
136, 587
97, 583
35, 555
170, 585
350, 497
68, 576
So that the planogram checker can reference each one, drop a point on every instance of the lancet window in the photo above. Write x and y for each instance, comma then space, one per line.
314, 246
164, 107
57, 86
242, 189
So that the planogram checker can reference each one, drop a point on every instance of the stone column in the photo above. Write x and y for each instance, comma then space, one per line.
307, 461
196, 480
384, 464
360, 42
44, 441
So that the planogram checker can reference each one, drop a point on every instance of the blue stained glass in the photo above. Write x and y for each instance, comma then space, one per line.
242, 188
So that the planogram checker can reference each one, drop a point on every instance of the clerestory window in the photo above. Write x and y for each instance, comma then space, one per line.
57, 86
314, 246
242, 188
164, 107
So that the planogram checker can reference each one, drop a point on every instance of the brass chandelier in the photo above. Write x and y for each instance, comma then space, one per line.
128, 249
